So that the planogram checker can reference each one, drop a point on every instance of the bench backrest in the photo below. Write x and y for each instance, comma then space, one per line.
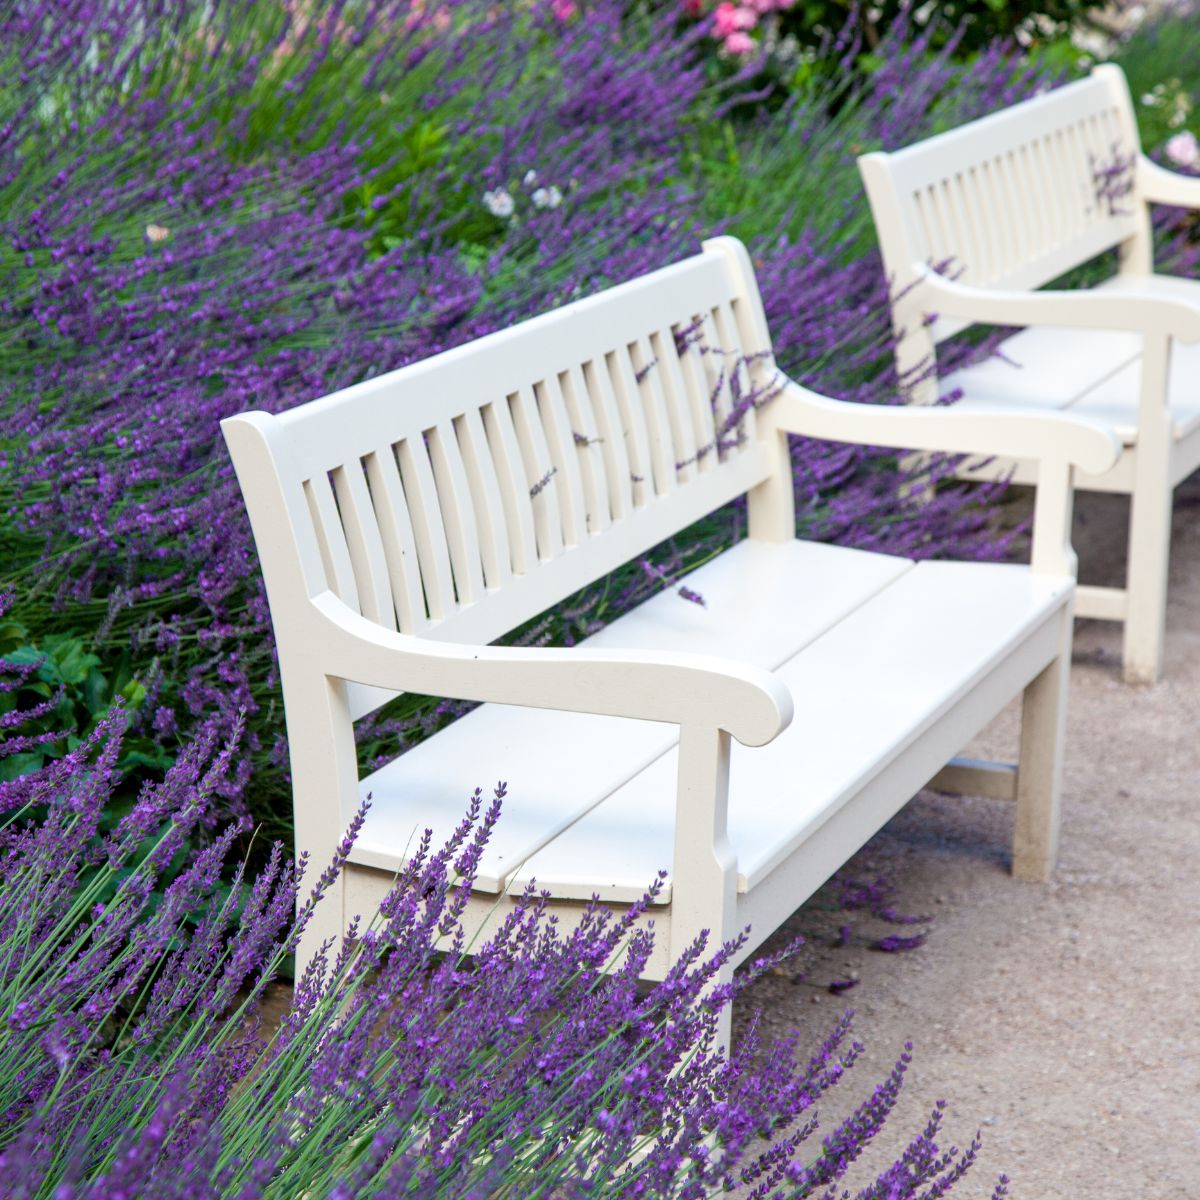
462, 495
1012, 200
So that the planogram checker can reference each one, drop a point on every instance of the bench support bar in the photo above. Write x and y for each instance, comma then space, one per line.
977, 777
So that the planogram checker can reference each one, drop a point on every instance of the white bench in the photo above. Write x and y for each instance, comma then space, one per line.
407, 522
972, 221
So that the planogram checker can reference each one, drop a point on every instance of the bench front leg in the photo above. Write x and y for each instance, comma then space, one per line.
704, 872
1040, 765
1149, 521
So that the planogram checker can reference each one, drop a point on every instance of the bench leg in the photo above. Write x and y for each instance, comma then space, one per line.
704, 871
1150, 519
1146, 582
324, 797
1039, 771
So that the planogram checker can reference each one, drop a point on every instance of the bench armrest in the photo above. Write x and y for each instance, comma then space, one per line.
1127, 310
1081, 441
1160, 186
680, 689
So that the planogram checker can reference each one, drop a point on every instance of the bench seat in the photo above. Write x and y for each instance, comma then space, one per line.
1089, 372
866, 692
538, 751
881, 650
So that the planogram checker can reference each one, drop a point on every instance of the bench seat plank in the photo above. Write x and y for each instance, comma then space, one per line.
1094, 373
864, 692
762, 603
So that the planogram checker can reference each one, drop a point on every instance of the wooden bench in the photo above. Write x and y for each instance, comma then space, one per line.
973, 221
405, 523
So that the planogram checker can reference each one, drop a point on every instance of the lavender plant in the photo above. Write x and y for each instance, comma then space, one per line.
135, 1062
213, 206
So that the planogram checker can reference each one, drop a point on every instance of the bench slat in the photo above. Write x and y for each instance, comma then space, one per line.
486, 499
614, 438
331, 537
587, 448
399, 542
420, 492
364, 543
458, 513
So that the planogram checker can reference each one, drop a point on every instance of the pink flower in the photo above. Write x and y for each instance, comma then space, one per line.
739, 43
732, 18
1183, 150
564, 10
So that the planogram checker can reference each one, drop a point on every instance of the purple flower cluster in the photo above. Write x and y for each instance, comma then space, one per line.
134, 1060
208, 207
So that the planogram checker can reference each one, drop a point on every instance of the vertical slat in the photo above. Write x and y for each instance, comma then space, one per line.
458, 514
430, 534
1060, 184
1081, 188
560, 440
1086, 183
399, 544
335, 555
485, 497
969, 254
617, 468
514, 491
1010, 203
1049, 195
960, 234
716, 374
943, 226
995, 216
539, 473
633, 420
739, 370
649, 390
763, 372
1033, 203
364, 543
695, 380
920, 200
674, 391
585, 433
981, 226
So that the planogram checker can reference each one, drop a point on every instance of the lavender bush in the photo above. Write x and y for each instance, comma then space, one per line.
212, 206
135, 1062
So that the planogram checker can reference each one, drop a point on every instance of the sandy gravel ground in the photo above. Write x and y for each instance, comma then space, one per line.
1059, 1019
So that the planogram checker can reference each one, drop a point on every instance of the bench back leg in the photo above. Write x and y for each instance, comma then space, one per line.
1149, 521
1039, 770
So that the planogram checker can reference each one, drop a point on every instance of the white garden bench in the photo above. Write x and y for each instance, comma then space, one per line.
972, 221
406, 523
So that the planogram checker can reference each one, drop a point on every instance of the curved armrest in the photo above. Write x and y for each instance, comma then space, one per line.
1127, 309
1160, 186
680, 689
1082, 441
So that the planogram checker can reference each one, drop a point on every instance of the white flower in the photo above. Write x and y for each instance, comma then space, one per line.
1183, 149
549, 197
499, 203
530, 178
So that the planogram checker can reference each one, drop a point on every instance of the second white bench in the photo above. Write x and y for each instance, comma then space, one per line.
972, 222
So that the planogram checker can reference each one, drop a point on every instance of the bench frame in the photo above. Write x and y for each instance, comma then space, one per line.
996, 192
337, 661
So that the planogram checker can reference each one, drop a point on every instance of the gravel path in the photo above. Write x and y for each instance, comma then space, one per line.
1061, 1018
